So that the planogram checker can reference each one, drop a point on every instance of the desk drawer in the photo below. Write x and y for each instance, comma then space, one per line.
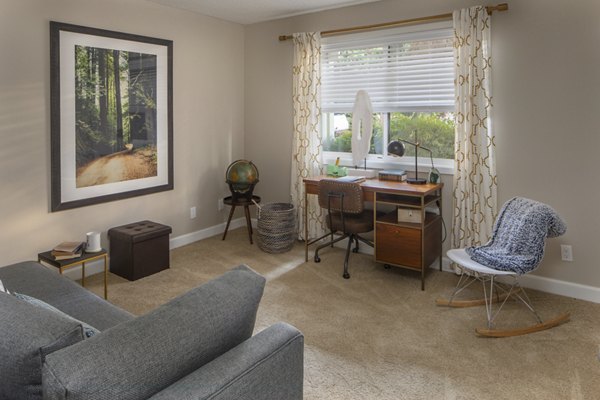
398, 245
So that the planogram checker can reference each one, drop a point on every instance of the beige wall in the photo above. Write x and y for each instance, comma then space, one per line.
208, 120
546, 95
232, 99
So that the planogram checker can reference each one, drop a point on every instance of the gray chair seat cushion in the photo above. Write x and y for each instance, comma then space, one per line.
35, 280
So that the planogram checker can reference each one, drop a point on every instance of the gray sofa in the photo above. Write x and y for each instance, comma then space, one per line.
197, 346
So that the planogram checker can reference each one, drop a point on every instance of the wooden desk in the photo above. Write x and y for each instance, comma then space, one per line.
403, 244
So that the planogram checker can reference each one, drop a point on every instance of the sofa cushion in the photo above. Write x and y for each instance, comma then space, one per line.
35, 280
138, 358
88, 330
28, 334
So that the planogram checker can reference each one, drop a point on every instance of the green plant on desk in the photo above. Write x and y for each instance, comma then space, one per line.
335, 170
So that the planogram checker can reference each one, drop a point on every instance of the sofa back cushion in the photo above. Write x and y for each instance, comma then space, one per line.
138, 358
33, 279
28, 334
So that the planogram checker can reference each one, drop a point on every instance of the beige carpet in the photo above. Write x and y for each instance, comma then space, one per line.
378, 336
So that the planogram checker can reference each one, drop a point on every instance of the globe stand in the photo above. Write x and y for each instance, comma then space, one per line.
242, 177
238, 194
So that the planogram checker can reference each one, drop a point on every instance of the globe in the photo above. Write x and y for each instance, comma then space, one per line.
242, 176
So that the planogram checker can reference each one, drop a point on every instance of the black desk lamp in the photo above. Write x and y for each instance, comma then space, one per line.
396, 148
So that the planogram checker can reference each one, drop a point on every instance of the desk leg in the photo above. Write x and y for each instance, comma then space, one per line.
305, 224
105, 277
442, 216
83, 274
423, 266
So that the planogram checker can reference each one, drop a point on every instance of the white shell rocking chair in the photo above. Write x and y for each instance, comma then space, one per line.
516, 248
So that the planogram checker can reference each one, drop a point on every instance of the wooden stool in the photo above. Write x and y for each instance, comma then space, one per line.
230, 201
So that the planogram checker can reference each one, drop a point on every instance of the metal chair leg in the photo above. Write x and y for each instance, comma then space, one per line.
355, 249
346, 275
317, 258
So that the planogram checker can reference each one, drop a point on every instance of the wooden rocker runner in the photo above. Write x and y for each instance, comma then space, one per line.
516, 248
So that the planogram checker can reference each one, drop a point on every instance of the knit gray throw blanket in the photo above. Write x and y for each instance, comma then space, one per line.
519, 236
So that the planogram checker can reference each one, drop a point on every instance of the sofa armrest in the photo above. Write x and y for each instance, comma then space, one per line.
269, 365
137, 359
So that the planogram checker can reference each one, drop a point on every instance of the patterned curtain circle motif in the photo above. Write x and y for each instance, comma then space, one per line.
307, 156
475, 181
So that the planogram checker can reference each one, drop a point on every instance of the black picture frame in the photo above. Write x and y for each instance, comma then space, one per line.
91, 162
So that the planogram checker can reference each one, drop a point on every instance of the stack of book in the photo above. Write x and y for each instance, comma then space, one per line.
352, 179
397, 175
67, 250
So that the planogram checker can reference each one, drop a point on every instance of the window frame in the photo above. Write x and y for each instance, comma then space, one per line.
385, 161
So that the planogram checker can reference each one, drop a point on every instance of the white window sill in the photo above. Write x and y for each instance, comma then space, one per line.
446, 167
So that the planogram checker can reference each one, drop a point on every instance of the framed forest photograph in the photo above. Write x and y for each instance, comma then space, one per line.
111, 115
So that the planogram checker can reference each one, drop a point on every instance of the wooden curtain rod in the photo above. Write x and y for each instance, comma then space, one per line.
441, 17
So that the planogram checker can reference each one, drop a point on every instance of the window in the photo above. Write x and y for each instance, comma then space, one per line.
409, 75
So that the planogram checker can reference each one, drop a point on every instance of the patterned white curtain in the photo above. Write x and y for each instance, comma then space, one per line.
307, 155
475, 182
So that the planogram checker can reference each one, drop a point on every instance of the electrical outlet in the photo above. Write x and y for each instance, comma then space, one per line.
566, 252
220, 205
192, 212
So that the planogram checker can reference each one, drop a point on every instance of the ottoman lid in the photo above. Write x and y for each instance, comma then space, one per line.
139, 231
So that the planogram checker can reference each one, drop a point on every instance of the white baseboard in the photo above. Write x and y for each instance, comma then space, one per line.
548, 285
97, 267
536, 282
563, 288
192, 237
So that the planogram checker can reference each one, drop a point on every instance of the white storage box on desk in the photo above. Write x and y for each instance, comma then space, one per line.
409, 215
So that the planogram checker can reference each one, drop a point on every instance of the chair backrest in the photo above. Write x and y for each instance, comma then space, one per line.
334, 194
519, 236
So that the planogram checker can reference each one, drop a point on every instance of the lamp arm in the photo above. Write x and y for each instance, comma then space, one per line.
416, 145
425, 148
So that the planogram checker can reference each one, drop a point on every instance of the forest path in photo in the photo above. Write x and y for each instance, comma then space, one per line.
117, 167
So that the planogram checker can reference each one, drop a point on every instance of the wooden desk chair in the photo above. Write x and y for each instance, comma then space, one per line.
516, 248
346, 214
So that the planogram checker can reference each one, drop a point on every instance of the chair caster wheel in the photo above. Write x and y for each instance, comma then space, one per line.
317, 259
346, 275
387, 266
355, 250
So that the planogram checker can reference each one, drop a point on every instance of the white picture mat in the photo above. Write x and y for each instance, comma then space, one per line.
69, 190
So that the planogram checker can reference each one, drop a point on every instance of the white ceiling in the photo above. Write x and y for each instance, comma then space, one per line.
252, 11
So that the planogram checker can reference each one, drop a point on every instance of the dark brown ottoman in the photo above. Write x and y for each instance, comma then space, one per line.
139, 249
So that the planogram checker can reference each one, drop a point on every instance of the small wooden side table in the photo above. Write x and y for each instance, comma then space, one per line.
230, 201
62, 265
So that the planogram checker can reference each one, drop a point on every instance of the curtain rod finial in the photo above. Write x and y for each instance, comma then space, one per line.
283, 38
499, 7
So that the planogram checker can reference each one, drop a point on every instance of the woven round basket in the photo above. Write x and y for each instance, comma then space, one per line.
276, 227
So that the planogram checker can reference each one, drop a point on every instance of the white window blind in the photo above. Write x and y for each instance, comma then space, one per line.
401, 70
